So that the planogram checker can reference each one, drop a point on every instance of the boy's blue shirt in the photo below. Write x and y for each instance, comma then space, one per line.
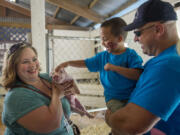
115, 85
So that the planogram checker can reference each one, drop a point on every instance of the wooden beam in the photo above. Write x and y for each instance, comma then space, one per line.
124, 6
15, 7
2, 11
17, 25
65, 27
49, 27
77, 9
56, 12
92, 3
90, 6
24, 11
74, 19
14, 14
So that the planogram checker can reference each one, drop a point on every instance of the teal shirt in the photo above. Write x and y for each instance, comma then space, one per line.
20, 101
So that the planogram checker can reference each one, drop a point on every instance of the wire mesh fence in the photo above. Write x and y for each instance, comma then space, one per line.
79, 48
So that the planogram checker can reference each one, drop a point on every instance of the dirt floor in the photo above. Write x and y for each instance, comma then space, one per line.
95, 126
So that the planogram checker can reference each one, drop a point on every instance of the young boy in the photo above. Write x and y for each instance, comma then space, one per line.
119, 67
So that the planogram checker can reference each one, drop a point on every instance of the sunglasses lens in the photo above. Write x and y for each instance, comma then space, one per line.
137, 33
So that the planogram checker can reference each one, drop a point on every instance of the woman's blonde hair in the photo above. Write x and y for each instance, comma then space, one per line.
11, 59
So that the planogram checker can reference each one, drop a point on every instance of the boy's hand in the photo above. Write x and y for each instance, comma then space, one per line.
108, 66
61, 66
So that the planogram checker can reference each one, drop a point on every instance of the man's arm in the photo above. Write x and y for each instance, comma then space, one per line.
131, 120
75, 63
130, 73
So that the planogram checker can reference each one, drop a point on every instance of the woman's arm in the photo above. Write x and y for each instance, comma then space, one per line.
45, 118
130, 73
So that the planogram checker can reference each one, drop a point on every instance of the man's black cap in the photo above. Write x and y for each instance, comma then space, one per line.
151, 11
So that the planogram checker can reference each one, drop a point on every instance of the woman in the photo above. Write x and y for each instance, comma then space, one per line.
32, 104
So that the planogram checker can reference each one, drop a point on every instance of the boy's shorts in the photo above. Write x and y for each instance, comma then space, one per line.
113, 105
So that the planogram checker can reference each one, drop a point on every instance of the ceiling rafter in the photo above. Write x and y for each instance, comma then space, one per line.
15, 7
66, 27
74, 19
90, 6
50, 21
92, 3
17, 25
2, 11
77, 9
56, 12
124, 6
27, 12
48, 26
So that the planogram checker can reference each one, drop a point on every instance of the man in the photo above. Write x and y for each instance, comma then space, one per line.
155, 102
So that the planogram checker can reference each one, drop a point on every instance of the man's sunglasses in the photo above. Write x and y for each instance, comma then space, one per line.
139, 32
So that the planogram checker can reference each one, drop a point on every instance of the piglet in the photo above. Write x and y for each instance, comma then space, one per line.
76, 106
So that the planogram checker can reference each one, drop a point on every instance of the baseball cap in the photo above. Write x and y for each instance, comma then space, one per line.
151, 11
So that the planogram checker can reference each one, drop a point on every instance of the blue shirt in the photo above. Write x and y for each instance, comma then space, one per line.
115, 85
20, 101
158, 90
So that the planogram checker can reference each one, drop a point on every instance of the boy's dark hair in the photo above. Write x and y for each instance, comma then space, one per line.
117, 26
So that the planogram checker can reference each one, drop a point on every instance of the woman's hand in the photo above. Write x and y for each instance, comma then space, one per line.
62, 90
57, 90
